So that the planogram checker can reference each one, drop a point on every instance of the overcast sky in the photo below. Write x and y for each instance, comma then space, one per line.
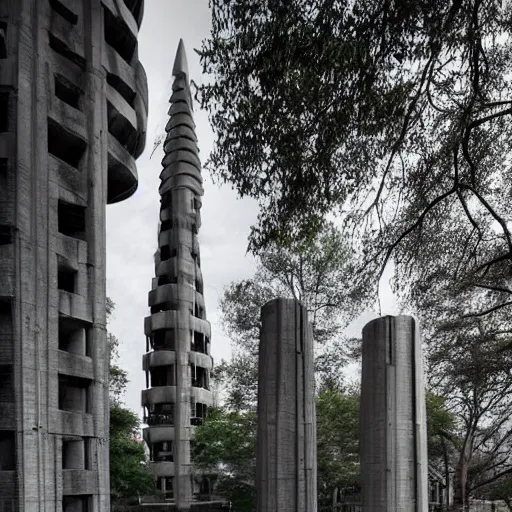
132, 224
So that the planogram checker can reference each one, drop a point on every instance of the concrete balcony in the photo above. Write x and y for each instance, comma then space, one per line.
163, 468
161, 394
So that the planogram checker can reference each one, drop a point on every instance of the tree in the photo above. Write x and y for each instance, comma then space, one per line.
129, 475
226, 445
469, 369
316, 274
393, 114
337, 442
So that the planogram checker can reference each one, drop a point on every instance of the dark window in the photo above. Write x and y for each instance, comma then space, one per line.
119, 36
65, 145
61, 9
87, 453
199, 287
67, 279
7, 450
67, 92
3, 40
163, 376
122, 88
163, 339
76, 503
165, 484
164, 280
6, 383
71, 220
166, 200
5, 234
74, 393
194, 229
166, 253
162, 452
63, 49
6, 330
4, 112
73, 336
166, 225
3, 165
198, 345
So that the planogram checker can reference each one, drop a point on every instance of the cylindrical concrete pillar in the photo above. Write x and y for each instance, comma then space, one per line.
393, 440
286, 442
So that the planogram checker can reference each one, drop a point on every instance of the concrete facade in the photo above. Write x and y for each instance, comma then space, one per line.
286, 438
178, 361
393, 439
73, 109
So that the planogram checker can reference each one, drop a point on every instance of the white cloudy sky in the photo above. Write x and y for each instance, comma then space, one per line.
132, 224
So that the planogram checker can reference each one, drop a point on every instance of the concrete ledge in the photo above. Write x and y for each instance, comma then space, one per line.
79, 481
202, 360
7, 417
162, 468
158, 358
159, 395
121, 11
202, 395
74, 306
75, 365
7, 483
71, 423
114, 64
7, 270
157, 434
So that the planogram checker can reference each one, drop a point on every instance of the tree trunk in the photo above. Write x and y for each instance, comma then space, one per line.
461, 497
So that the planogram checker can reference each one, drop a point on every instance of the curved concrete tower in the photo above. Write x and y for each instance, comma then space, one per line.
73, 109
393, 439
178, 361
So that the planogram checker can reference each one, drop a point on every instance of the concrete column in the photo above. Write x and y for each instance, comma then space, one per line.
286, 442
393, 440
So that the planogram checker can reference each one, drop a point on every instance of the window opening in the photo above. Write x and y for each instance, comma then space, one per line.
67, 92
71, 220
65, 145
61, 9
5, 234
7, 450
66, 279
4, 112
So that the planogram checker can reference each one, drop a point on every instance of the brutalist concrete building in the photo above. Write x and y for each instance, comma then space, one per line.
73, 108
178, 361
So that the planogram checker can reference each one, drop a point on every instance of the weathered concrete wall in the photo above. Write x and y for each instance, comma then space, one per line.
286, 442
393, 446
178, 361
73, 107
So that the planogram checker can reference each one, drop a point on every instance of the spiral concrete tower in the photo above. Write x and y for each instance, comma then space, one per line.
73, 109
178, 361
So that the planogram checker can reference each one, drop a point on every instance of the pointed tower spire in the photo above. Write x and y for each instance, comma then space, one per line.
178, 361
180, 66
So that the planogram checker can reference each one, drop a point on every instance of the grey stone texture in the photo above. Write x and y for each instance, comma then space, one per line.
178, 361
286, 438
73, 109
393, 440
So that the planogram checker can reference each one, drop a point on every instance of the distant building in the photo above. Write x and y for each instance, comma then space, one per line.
178, 361
73, 109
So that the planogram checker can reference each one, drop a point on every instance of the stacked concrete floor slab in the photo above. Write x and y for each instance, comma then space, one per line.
286, 442
73, 108
393, 445
178, 361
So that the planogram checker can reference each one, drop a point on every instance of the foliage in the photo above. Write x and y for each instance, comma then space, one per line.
315, 274
394, 114
226, 445
117, 378
337, 442
129, 475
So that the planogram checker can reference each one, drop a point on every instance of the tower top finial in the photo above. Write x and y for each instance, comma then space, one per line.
180, 66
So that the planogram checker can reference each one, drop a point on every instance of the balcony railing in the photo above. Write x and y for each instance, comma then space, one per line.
159, 419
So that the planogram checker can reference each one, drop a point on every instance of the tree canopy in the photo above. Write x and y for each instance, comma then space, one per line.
395, 115
317, 274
